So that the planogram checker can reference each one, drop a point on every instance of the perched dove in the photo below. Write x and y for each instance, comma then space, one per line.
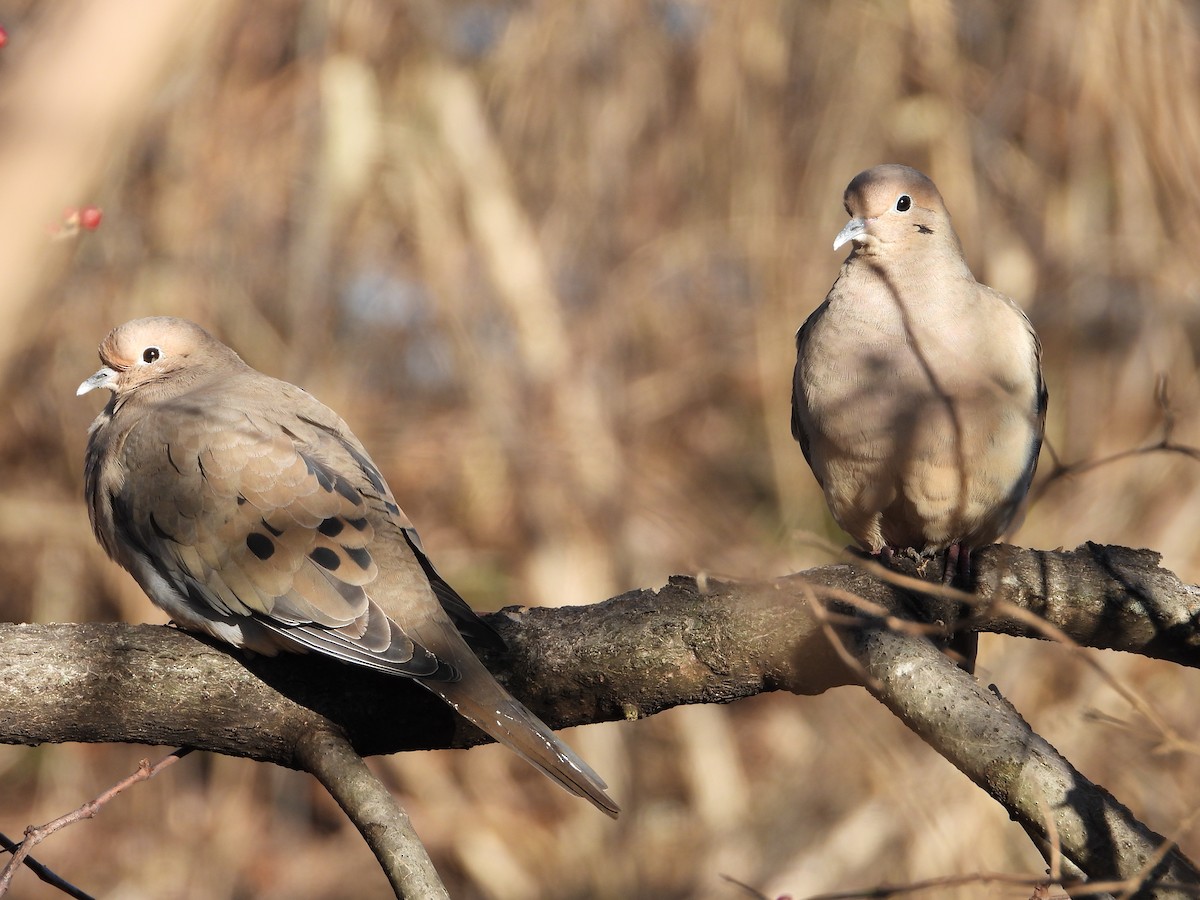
918, 397
248, 511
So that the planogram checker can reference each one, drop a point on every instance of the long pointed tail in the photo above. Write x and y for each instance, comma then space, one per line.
480, 699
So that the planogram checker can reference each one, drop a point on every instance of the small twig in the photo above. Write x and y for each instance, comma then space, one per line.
1165, 444
35, 834
753, 892
1070, 888
1063, 471
45, 873
826, 620
1169, 735
1169, 742
909, 582
883, 891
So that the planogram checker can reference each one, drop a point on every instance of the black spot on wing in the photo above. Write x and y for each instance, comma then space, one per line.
358, 524
364, 463
368, 469
267, 525
316, 470
260, 545
360, 555
325, 558
347, 490
331, 527
330, 480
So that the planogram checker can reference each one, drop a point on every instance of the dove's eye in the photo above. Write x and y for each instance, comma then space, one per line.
904, 203
151, 354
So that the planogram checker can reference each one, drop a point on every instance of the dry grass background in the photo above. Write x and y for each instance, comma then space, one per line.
547, 259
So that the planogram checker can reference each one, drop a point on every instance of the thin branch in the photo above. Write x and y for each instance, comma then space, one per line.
1165, 444
1089, 889
45, 873
884, 892
828, 620
35, 834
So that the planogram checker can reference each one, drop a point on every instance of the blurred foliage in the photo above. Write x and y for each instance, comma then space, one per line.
547, 258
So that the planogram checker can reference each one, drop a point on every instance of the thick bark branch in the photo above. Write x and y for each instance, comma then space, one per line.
983, 736
638, 654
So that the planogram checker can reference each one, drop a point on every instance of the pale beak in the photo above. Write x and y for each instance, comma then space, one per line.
854, 228
105, 378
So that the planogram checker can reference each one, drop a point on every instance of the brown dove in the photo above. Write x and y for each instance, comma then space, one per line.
918, 397
247, 510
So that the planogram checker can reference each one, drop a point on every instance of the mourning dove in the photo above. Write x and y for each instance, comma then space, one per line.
918, 397
248, 511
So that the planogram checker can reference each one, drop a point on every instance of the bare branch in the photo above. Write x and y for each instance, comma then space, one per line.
646, 651
986, 739
44, 872
35, 834
375, 813
1061, 471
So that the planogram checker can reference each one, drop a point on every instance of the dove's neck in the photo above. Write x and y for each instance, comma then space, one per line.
896, 292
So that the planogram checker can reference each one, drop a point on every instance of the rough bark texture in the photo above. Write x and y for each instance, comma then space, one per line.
985, 737
631, 656
646, 651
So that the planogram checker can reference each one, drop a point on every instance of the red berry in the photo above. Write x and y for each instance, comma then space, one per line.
3, 37
89, 217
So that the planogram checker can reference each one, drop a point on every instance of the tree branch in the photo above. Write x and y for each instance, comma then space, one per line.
984, 736
375, 813
646, 651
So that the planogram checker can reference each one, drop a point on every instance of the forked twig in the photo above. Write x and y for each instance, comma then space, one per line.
35, 834
1165, 444
45, 873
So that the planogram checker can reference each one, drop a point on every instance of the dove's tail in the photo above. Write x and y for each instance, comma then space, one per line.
480, 699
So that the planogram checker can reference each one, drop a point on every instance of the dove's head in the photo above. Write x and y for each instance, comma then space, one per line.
894, 206
172, 355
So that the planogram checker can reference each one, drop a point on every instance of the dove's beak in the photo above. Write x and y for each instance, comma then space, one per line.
105, 378
854, 228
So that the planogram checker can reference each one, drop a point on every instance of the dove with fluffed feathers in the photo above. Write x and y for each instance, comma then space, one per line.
248, 511
918, 397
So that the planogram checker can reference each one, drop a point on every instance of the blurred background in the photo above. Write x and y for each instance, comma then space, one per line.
548, 259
